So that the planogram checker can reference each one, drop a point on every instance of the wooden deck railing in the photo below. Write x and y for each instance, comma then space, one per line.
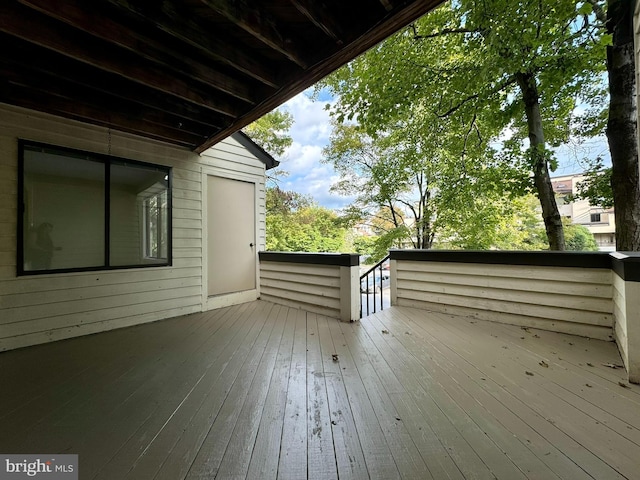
324, 283
596, 295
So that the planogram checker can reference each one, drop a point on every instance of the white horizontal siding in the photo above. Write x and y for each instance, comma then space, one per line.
620, 315
42, 308
568, 300
315, 288
626, 300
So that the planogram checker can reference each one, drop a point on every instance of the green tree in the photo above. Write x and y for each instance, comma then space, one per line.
579, 238
422, 178
296, 224
509, 224
486, 66
271, 132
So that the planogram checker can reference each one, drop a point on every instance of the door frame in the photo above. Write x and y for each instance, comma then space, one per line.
234, 298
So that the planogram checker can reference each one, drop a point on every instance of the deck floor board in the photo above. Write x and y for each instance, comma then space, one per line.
254, 391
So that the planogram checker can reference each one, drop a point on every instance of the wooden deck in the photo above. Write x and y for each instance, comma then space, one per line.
254, 391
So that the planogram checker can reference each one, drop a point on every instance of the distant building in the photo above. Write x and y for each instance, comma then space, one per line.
599, 221
362, 230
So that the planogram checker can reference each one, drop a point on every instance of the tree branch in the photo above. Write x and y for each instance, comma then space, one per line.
497, 88
443, 32
599, 11
466, 140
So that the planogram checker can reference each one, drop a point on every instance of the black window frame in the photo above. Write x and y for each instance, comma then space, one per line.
595, 218
107, 161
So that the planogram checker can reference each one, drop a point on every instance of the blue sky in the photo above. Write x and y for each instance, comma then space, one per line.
311, 131
310, 134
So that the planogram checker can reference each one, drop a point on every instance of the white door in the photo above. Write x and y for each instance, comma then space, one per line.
231, 221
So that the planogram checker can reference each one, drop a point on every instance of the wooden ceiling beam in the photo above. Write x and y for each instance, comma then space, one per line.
31, 58
69, 107
26, 77
38, 29
387, 4
319, 14
111, 29
187, 30
251, 17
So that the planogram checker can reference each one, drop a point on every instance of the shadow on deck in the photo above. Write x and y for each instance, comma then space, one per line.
264, 391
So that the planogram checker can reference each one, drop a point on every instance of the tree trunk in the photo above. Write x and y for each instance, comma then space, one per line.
550, 213
622, 125
427, 226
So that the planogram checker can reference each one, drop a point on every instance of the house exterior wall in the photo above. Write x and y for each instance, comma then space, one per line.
42, 308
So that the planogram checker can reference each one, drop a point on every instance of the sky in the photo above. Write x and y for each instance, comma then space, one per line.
310, 134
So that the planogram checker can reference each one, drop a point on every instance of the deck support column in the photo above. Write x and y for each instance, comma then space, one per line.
626, 296
632, 298
350, 293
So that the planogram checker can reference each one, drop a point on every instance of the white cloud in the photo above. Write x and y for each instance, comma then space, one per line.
310, 133
301, 158
312, 121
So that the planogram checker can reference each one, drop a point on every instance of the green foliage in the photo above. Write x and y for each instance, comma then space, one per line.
596, 187
282, 202
423, 178
271, 132
502, 225
366, 247
296, 224
579, 238
432, 100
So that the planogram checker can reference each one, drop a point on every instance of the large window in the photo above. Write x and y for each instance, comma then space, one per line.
84, 211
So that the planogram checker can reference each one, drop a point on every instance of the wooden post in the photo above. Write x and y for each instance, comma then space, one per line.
626, 284
350, 293
632, 300
393, 270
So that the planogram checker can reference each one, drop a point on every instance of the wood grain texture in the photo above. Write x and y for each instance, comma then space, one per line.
254, 391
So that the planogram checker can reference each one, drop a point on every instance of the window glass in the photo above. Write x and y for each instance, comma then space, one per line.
138, 216
64, 213
155, 218
85, 211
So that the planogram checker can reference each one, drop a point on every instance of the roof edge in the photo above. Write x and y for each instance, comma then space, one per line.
259, 152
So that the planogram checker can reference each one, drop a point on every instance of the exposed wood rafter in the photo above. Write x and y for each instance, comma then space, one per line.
251, 17
113, 30
317, 13
189, 31
186, 72
45, 32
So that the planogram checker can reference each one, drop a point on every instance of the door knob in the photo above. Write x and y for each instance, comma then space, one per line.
251, 245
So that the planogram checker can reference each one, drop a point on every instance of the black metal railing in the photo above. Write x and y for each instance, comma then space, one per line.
373, 282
